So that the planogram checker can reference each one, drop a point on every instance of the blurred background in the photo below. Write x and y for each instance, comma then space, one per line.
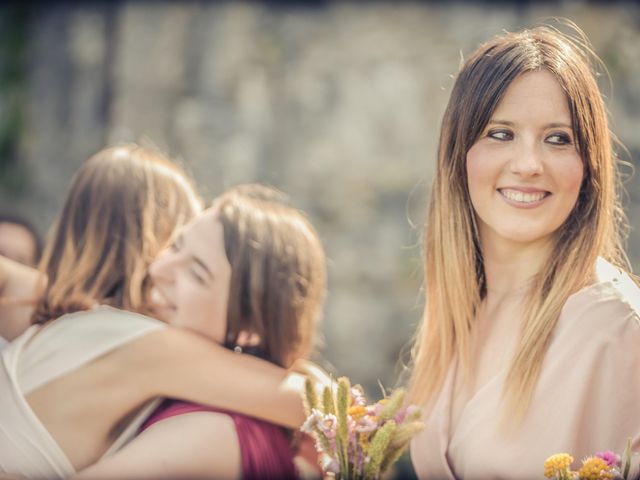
336, 103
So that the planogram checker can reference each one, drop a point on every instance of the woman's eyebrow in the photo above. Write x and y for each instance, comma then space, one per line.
497, 121
559, 124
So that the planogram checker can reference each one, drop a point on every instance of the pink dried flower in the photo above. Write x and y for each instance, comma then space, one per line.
357, 396
312, 421
610, 457
330, 464
375, 409
328, 425
366, 424
400, 416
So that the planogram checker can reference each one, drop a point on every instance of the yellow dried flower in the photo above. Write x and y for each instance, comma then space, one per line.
558, 465
363, 441
595, 468
357, 411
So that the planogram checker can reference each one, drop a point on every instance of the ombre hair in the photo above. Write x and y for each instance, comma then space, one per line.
123, 205
455, 280
278, 272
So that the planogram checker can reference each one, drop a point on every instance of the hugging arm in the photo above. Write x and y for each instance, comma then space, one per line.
179, 364
18, 295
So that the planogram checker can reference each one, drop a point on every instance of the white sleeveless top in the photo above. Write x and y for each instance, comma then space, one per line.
31, 361
586, 400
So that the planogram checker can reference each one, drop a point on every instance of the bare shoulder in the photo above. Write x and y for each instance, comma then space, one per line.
196, 445
193, 445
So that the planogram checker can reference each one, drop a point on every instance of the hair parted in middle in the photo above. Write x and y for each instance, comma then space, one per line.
278, 272
454, 271
123, 206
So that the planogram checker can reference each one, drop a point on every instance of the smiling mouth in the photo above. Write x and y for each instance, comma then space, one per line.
523, 197
158, 303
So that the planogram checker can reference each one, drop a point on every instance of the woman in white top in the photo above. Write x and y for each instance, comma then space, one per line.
529, 340
73, 387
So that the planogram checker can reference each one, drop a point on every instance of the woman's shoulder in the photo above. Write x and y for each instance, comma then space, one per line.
172, 408
104, 317
264, 447
43, 353
612, 301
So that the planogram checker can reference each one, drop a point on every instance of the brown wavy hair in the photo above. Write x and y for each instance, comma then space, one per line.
123, 205
454, 271
278, 272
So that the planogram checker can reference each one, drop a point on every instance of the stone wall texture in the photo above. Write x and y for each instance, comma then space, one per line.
336, 103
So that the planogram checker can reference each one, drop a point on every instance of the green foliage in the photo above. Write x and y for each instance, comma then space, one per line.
393, 404
378, 448
342, 438
311, 399
327, 401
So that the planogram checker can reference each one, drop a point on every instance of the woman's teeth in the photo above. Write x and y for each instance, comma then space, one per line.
523, 197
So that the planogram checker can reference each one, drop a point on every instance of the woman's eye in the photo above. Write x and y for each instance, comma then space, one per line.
559, 139
199, 278
501, 135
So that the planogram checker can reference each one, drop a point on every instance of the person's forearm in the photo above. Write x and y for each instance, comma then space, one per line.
183, 365
18, 295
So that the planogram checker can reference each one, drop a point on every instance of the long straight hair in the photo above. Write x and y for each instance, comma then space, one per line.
123, 205
455, 281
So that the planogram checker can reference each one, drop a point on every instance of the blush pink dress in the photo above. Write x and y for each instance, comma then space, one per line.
587, 398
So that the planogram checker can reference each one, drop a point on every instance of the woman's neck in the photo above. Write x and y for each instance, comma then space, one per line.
510, 269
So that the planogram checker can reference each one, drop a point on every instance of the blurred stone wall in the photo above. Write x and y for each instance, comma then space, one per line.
338, 104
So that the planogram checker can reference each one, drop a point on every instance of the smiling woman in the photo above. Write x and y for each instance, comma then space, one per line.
528, 344
525, 171
191, 280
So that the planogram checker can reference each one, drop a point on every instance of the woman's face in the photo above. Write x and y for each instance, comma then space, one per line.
524, 172
191, 279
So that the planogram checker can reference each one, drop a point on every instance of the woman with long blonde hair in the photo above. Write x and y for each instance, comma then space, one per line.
75, 387
529, 340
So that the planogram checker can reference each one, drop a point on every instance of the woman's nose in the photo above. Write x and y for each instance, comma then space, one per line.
163, 267
527, 159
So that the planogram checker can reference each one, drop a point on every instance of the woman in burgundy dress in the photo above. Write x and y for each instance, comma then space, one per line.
248, 273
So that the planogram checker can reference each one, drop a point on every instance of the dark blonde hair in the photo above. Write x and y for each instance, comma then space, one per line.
278, 272
124, 204
453, 263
